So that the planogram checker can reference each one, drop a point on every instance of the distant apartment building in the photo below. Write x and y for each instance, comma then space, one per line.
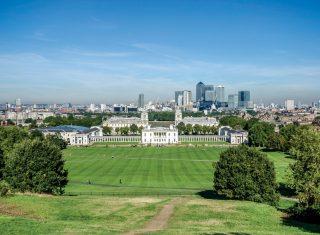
289, 105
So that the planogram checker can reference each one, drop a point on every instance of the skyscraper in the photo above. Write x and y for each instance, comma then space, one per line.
200, 91
210, 95
233, 101
244, 99
220, 93
141, 101
183, 98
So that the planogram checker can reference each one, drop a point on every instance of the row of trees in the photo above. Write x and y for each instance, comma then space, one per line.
246, 173
31, 162
196, 129
86, 121
132, 130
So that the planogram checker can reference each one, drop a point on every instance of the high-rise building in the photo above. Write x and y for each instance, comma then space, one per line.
233, 101
92, 107
183, 98
141, 101
200, 91
220, 93
178, 96
18, 104
289, 105
187, 98
210, 95
103, 107
244, 99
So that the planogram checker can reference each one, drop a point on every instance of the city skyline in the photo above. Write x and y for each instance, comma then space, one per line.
107, 52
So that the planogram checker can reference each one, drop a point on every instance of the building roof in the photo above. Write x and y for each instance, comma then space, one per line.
66, 128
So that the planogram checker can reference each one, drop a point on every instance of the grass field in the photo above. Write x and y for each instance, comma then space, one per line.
23, 214
150, 178
148, 170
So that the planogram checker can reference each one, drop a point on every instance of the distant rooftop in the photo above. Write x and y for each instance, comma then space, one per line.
66, 128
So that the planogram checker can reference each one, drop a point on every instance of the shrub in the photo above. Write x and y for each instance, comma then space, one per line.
36, 166
4, 188
247, 174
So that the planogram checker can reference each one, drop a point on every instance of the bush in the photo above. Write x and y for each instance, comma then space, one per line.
309, 215
247, 174
36, 166
4, 188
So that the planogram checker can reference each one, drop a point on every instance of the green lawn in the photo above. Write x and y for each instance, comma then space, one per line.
151, 177
147, 170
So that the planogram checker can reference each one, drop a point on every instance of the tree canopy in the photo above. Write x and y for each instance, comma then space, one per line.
36, 166
247, 174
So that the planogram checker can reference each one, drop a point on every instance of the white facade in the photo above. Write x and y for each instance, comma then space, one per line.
159, 135
202, 121
234, 136
289, 105
118, 122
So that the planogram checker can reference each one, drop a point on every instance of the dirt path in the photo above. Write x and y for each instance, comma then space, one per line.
160, 221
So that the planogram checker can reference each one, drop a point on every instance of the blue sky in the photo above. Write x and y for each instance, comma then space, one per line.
110, 51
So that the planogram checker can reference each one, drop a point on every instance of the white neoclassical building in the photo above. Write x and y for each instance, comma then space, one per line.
202, 121
74, 135
234, 136
118, 122
159, 135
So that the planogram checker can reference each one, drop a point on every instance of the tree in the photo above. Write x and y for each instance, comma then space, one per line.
260, 133
197, 129
181, 128
11, 135
140, 130
287, 132
1, 164
107, 130
124, 130
57, 140
36, 166
188, 129
233, 121
213, 130
134, 128
276, 142
205, 129
305, 174
117, 130
36, 134
246, 173
250, 123
32, 122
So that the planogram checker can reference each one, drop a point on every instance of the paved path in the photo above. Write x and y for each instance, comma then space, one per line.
160, 221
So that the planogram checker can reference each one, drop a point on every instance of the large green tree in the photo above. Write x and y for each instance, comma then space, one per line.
306, 169
260, 133
36, 166
246, 173
134, 128
11, 135
233, 121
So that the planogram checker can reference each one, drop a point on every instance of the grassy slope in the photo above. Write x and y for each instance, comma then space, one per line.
114, 215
